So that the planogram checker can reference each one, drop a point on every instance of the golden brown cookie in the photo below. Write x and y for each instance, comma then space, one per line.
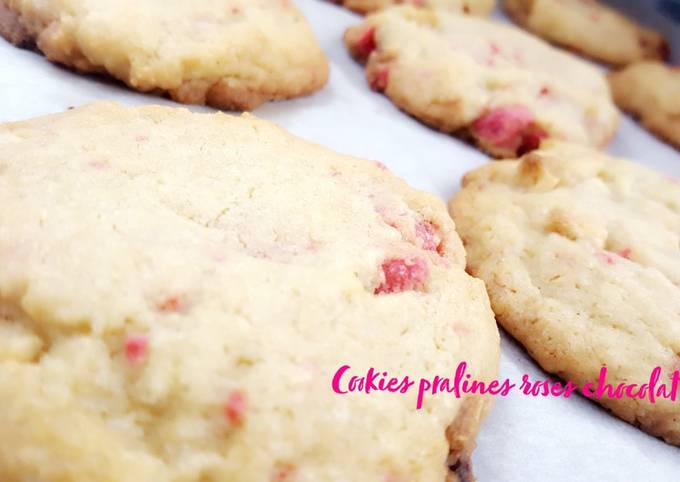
590, 28
580, 253
473, 7
178, 292
651, 92
494, 83
230, 54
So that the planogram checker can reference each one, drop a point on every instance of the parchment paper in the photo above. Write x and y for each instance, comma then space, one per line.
525, 439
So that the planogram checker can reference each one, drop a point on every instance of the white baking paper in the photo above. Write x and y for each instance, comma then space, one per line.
525, 439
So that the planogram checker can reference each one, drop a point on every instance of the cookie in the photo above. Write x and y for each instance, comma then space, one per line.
580, 256
11, 29
230, 54
590, 28
651, 92
496, 84
176, 301
473, 7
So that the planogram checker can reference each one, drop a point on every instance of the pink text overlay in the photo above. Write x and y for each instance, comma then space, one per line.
462, 382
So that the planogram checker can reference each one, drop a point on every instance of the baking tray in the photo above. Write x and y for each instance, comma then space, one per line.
524, 439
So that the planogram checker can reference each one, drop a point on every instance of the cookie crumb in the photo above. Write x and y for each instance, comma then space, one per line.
283, 473
366, 43
426, 232
171, 304
136, 349
379, 78
625, 253
235, 407
606, 257
509, 127
402, 275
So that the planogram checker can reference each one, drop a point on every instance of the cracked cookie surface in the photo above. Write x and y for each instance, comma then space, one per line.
580, 253
182, 287
494, 83
230, 54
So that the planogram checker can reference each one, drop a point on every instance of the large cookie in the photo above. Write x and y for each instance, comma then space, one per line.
231, 54
178, 290
580, 254
589, 27
504, 88
651, 92
474, 7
